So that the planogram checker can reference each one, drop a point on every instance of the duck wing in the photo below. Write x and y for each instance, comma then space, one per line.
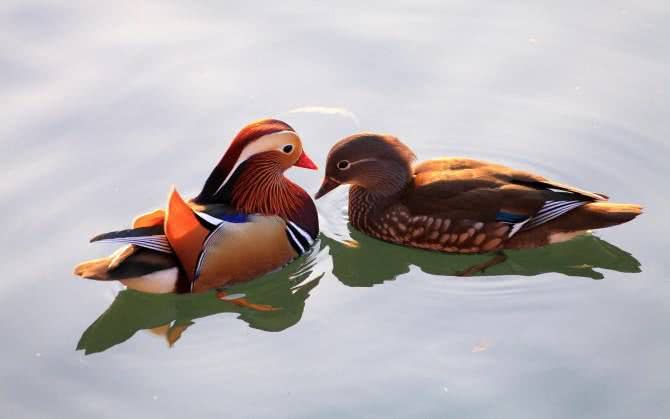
146, 237
464, 168
210, 245
147, 249
465, 189
141, 262
149, 230
219, 247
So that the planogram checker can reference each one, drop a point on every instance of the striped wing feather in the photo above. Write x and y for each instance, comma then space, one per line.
477, 190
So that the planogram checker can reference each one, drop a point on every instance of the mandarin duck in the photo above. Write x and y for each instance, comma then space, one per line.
248, 220
459, 205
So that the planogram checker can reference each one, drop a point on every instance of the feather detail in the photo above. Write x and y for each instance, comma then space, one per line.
540, 182
259, 187
214, 235
226, 165
148, 237
185, 233
299, 239
550, 211
149, 219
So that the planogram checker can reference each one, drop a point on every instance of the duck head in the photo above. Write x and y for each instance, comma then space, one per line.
266, 148
378, 163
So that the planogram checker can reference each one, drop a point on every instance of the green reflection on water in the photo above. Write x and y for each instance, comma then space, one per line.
369, 262
372, 261
171, 314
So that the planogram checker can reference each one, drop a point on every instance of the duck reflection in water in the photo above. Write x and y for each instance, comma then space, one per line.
363, 261
276, 301
271, 303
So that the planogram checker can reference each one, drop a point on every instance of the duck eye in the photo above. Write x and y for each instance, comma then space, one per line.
343, 165
288, 148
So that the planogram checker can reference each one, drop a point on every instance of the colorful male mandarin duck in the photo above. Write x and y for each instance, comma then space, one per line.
247, 221
459, 205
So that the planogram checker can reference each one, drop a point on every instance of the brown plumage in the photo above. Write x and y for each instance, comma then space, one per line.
459, 205
248, 220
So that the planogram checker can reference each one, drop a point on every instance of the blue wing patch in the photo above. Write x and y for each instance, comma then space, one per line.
510, 218
211, 221
236, 218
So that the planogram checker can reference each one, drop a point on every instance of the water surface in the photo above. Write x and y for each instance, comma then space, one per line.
105, 106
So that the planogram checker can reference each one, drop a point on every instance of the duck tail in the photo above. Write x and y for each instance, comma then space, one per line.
602, 214
93, 269
100, 268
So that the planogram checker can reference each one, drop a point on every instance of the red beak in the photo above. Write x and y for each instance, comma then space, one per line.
306, 162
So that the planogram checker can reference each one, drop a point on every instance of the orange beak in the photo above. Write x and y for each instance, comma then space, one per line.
306, 162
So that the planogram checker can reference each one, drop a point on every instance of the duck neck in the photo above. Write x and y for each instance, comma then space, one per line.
260, 187
365, 205
367, 202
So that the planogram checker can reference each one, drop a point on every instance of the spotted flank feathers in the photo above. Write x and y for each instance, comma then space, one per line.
549, 211
147, 237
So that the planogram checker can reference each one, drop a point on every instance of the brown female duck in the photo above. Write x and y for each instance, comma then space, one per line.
459, 205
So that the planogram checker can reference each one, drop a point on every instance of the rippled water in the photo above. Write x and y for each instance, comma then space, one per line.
105, 106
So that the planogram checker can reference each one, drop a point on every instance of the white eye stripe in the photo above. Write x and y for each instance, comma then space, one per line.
351, 163
248, 152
